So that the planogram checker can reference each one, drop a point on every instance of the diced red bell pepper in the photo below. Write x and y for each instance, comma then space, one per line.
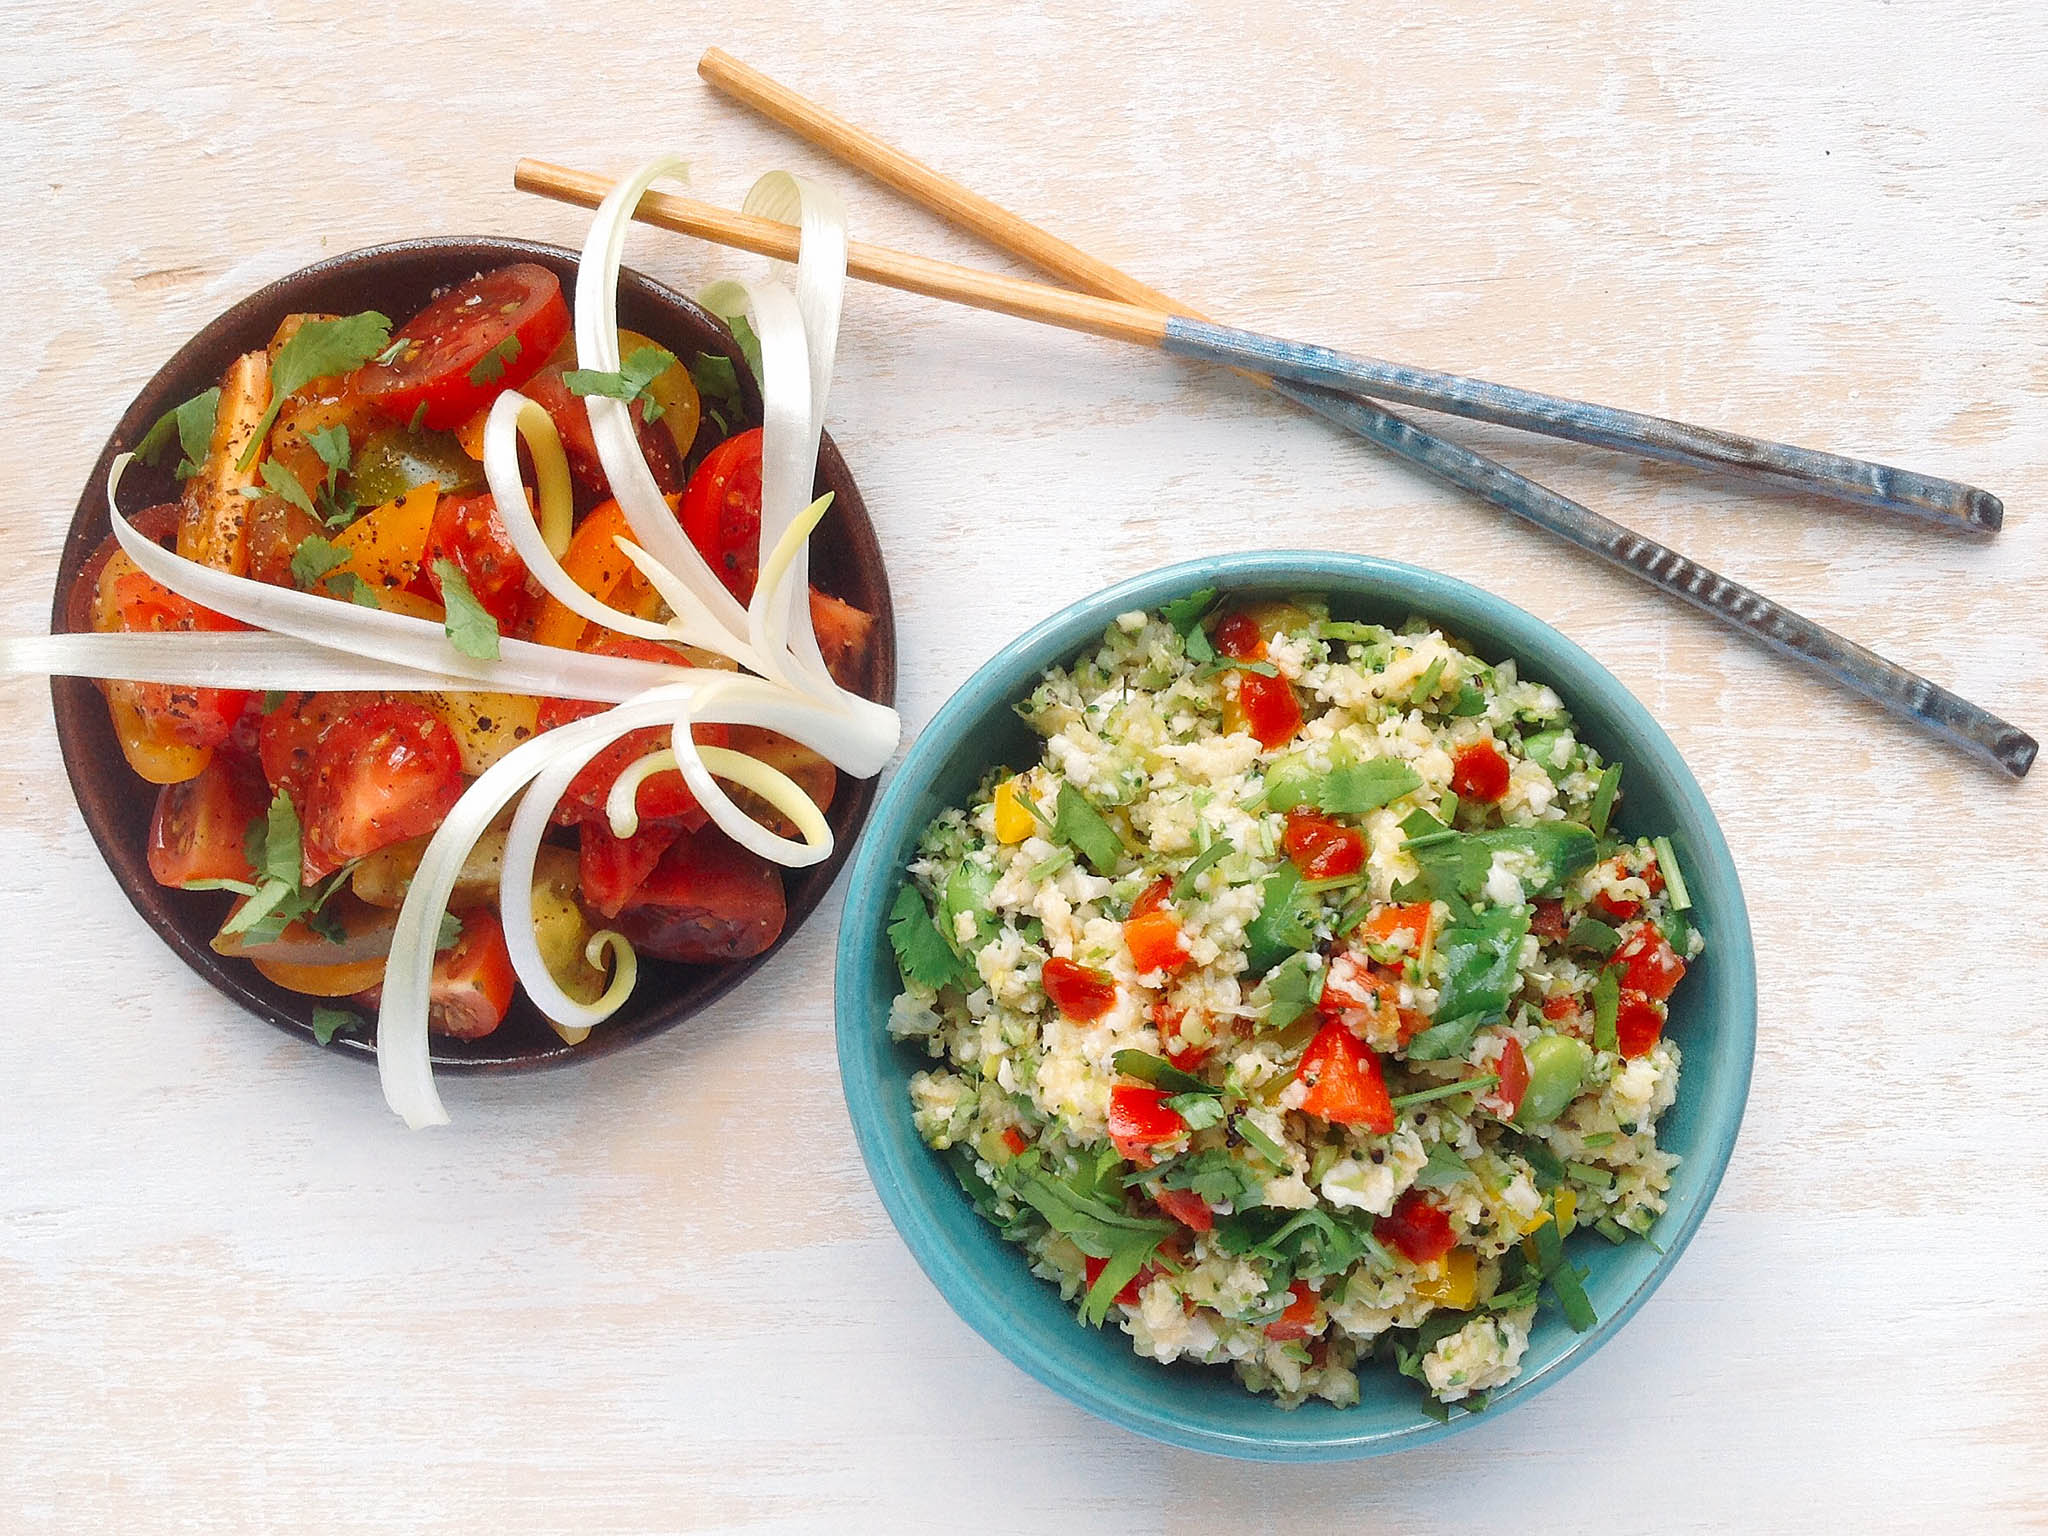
1548, 921
1418, 1227
1648, 963
1505, 1097
1168, 1020
1185, 1207
1014, 1140
1092, 1268
1479, 771
1080, 992
1153, 939
1271, 711
1406, 925
1345, 1084
1323, 849
1237, 636
1638, 1023
1299, 1320
1140, 1119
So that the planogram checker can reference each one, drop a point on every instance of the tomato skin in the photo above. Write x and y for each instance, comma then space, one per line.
843, 632
1299, 1320
1638, 1023
1418, 1227
378, 777
1271, 711
197, 830
1187, 1208
1323, 849
707, 900
1345, 1083
1649, 964
455, 337
1140, 1119
550, 391
610, 870
1479, 771
1513, 1066
473, 979
287, 736
1237, 636
191, 716
467, 533
1080, 992
721, 511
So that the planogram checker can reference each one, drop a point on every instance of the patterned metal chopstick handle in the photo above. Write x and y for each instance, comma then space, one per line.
1928, 705
1947, 504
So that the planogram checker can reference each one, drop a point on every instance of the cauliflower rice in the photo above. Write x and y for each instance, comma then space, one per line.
1298, 1001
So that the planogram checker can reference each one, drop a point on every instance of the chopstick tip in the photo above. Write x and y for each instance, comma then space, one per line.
1983, 511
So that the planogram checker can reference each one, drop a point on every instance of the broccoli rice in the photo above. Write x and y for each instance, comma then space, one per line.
1299, 1000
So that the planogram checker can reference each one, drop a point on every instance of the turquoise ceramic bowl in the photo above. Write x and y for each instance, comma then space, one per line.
1203, 1407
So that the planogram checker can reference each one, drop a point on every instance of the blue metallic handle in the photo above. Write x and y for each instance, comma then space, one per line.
1945, 503
1928, 705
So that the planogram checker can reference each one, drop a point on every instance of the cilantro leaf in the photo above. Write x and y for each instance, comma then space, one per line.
1480, 954
1183, 612
471, 628
318, 349
1081, 826
1199, 1110
630, 382
1213, 1174
285, 485
717, 380
350, 586
1294, 989
922, 953
449, 933
329, 1022
331, 443
1352, 789
192, 425
1281, 928
315, 559
283, 841
1443, 1169
490, 368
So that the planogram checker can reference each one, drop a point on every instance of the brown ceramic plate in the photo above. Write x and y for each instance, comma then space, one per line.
399, 280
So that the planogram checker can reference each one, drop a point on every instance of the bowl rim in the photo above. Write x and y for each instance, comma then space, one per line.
851, 806
1056, 639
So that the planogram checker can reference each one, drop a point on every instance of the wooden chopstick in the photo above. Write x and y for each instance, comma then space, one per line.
1945, 503
1951, 718
1920, 702
1184, 332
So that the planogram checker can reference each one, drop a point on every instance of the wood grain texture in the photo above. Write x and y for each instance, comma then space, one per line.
658, 1293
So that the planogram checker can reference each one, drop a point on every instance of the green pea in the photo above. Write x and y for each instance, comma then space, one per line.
1557, 1067
398, 460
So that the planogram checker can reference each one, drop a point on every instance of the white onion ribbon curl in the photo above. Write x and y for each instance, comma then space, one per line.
299, 640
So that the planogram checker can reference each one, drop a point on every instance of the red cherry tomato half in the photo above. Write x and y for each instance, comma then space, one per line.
663, 796
707, 900
197, 717
477, 340
287, 736
1140, 1119
1479, 771
1649, 964
467, 534
610, 870
721, 511
473, 979
1078, 991
1513, 1067
197, 831
1420, 1229
1345, 1084
378, 777
1271, 711
1638, 1023
1185, 1207
1299, 1320
1323, 849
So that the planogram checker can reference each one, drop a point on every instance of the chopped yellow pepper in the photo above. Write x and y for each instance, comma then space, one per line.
1013, 821
1455, 1281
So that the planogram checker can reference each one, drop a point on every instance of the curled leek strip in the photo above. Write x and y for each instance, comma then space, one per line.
764, 779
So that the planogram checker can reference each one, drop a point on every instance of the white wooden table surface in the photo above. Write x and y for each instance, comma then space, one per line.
659, 1292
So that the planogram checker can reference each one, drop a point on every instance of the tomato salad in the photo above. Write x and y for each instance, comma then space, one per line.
346, 460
